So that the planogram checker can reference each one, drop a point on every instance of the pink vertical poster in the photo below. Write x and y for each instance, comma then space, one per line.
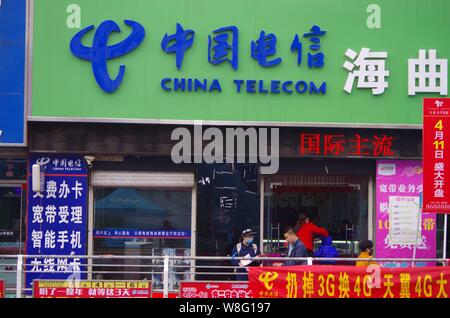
399, 216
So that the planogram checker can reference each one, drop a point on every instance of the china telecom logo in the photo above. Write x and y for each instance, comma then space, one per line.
101, 52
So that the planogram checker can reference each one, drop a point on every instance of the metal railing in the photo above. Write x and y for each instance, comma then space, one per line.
165, 272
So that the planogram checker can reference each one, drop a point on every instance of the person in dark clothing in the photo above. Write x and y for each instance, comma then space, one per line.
245, 248
296, 249
327, 250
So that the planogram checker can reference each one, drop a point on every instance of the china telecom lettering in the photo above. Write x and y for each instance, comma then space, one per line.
223, 47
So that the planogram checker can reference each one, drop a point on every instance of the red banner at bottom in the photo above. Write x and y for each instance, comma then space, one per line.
161, 295
349, 282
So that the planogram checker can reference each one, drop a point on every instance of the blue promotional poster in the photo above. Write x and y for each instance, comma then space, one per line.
57, 219
12, 72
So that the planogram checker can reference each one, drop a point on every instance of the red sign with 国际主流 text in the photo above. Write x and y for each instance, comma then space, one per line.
436, 157
211, 289
318, 144
324, 281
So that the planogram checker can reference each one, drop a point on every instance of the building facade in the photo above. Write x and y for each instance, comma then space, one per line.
326, 84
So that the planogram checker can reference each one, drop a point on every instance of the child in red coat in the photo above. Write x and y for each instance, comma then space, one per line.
307, 230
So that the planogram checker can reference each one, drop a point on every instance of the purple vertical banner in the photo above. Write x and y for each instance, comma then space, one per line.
399, 214
57, 218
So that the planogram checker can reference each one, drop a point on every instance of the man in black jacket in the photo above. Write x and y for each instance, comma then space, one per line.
296, 248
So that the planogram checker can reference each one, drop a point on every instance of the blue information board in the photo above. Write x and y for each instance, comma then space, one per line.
57, 219
12, 72
136, 233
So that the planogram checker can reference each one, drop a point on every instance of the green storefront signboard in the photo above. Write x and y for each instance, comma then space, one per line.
327, 62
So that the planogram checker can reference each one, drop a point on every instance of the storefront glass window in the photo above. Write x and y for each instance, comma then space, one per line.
131, 221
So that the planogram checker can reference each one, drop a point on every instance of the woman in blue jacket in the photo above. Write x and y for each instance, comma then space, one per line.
327, 250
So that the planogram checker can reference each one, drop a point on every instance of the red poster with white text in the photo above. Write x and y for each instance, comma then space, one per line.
436, 155
91, 289
214, 289
2, 289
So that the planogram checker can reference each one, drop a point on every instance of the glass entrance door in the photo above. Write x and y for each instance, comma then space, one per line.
338, 204
12, 228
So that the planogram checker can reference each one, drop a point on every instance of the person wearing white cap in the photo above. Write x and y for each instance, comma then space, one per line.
247, 249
